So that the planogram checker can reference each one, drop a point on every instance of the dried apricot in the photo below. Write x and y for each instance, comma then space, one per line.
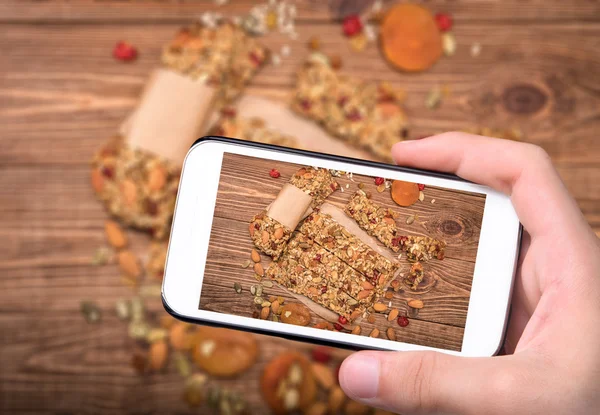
222, 352
405, 193
295, 313
410, 38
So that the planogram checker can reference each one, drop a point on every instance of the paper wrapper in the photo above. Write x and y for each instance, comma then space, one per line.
290, 206
172, 114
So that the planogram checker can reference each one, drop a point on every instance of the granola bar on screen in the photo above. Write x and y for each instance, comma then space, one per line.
137, 187
250, 129
317, 182
268, 235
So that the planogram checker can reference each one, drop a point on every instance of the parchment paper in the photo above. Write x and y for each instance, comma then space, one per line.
290, 206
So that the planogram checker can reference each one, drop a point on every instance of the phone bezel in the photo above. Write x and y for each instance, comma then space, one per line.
489, 303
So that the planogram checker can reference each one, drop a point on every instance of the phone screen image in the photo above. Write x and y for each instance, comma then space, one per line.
333, 250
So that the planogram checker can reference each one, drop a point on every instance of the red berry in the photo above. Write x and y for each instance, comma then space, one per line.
352, 25
125, 52
421, 186
403, 321
444, 21
379, 180
338, 327
274, 173
343, 320
321, 354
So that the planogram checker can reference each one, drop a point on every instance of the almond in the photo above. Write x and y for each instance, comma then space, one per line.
371, 318
278, 234
418, 304
323, 375
255, 256
393, 314
157, 178
336, 400
317, 408
265, 237
97, 180
323, 325
158, 355
379, 307
356, 330
129, 264
115, 235
389, 295
391, 334
355, 314
251, 229
275, 307
180, 337
129, 192
356, 408
363, 294
374, 333
264, 313
259, 269
366, 285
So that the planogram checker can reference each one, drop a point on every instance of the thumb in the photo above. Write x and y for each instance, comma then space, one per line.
426, 382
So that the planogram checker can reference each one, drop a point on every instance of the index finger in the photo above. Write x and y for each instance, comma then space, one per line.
523, 171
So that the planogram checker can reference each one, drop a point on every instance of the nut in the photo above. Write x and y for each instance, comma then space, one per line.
115, 235
389, 295
275, 307
129, 192
129, 264
318, 408
157, 178
278, 234
356, 330
255, 256
393, 314
366, 285
380, 307
323, 375
259, 269
391, 334
97, 180
363, 294
356, 408
418, 304
265, 237
336, 400
374, 333
179, 336
158, 355
251, 228
295, 313
264, 313
371, 318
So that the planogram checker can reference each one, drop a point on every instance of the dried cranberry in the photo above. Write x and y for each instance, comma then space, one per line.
257, 226
404, 133
373, 221
379, 180
124, 52
351, 211
305, 104
352, 25
342, 101
318, 257
421, 186
151, 207
403, 321
228, 112
395, 241
274, 173
444, 21
338, 327
323, 289
293, 281
255, 59
321, 354
333, 186
354, 115
108, 172
343, 320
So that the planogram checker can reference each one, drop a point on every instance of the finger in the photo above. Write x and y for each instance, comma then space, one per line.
425, 382
521, 170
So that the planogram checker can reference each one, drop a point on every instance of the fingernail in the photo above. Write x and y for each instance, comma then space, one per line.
360, 376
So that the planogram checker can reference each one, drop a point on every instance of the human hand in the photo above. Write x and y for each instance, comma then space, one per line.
553, 335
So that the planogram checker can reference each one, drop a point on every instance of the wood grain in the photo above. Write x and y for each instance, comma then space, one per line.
62, 95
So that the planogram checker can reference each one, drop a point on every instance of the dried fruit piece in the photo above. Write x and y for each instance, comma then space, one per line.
393, 314
158, 355
444, 21
324, 376
255, 256
321, 354
404, 193
379, 180
129, 264
295, 313
124, 52
222, 352
418, 304
115, 235
290, 371
317, 408
274, 173
421, 186
410, 38
352, 25
403, 321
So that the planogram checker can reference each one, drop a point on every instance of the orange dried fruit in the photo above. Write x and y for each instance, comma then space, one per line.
410, 38
405, 193
295, 313
222, 352
285, 368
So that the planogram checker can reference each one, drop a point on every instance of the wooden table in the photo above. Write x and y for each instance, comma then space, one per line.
62, 95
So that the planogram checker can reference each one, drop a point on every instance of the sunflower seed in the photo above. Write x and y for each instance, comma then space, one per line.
421, 196
449, 44
123, 309
237, 287
410, 219
246, 263
434, 98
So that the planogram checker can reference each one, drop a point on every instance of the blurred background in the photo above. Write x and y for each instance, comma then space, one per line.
78, 336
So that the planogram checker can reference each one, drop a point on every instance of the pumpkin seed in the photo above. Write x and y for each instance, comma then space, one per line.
137, 309
266, 303
267, 284
91, 312
410, 219
182, 364
100, 256
253, 290
138, 330
258, 300
259, 290
155, 335
237, 287
123, 309
246, 263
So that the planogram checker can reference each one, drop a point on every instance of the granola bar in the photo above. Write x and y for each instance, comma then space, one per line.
269, 235
250, 129
422, 248
155, 267
415, 276
136, 186
325, 231
224, 56
375, 220
316, 182
365, 114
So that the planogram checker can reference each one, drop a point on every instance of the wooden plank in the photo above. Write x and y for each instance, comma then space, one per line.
465, 11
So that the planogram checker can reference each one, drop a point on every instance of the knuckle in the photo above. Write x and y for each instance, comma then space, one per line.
421, 370
504, 383
538, 155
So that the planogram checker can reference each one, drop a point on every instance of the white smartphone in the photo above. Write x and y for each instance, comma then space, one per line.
339, 251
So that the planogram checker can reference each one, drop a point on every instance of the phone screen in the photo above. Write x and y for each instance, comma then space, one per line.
334, 250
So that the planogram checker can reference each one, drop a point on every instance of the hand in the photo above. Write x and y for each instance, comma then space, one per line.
553, 335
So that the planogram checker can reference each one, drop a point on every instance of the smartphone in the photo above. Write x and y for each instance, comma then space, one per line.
339, 251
